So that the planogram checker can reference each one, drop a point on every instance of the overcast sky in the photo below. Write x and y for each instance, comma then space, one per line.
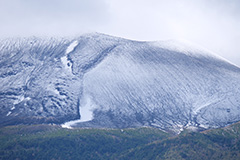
213, 24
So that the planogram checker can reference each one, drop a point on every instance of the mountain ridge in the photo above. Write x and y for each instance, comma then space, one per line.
117, 83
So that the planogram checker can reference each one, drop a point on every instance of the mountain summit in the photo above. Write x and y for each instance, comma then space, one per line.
109, 82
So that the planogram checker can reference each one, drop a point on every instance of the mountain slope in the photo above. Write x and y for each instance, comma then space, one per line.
116, 83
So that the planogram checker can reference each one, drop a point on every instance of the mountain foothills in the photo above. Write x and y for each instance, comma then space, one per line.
108, 82
53, 142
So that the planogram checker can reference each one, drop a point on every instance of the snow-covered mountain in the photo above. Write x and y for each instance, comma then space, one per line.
112, 82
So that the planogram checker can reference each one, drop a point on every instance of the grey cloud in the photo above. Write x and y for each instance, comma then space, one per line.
214, 24
53, 17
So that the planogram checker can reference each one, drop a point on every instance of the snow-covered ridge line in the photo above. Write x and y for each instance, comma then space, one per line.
187, 47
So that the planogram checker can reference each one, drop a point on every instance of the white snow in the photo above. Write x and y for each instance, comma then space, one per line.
86, 112
18, 99
71, 47
204, 126
28, 98
187, 47
8, 113
52, 88
68, 64
203, 102
66, 125
192, 128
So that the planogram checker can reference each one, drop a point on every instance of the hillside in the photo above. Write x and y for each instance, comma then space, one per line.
100, 81
215, 144
54, 142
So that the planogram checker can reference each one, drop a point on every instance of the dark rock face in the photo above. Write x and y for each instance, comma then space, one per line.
113, 82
